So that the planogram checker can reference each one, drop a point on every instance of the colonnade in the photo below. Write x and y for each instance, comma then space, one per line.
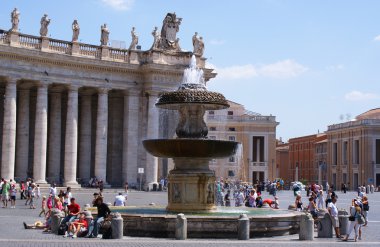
37, 140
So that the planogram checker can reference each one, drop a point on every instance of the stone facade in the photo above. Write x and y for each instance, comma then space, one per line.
73, 110
354, 151
256, 157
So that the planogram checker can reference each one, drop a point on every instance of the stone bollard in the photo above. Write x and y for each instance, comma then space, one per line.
56, 216
306, 227
243, 227
117, 226
325, 227
343, 221
181, 227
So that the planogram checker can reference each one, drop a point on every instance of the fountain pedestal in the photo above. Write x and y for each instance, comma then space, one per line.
191, 186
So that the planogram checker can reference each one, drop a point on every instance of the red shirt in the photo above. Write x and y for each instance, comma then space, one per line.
74, 208
82, 221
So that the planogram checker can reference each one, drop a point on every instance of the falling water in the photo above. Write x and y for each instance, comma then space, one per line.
193, 75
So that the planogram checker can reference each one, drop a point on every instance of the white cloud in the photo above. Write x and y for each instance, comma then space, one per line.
237, 72
280, 70
217, 42
377, 38
335, 67
359, 96
283, 69
119, 4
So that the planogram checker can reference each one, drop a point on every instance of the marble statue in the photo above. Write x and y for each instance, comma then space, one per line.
104, 34
45, 21
135, 39
76, 29
198, 45
15, 19
170, 27
156, 38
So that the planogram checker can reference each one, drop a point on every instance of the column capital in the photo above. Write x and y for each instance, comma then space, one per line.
12, 80
132, 92
103, 90
152, 93
72, 88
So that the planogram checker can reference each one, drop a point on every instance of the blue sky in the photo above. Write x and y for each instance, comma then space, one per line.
309, 63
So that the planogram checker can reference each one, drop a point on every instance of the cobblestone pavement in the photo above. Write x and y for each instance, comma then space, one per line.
12, 232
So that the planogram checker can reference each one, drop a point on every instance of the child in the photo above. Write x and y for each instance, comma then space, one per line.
43, 206
38, 191
13, 193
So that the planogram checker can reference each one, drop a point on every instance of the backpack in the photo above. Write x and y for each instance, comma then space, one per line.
62, 229
107, 233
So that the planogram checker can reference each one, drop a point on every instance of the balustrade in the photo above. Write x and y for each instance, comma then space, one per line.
59, 46
30, 41
3, 37
90, 50
117, 54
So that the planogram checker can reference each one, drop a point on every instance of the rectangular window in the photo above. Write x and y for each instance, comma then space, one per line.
258, 148
231, 128
377, 151
231, 138
355, 152
231, 159
230, 115
344, 152
211, 114
231, 173
335, 154
212, 128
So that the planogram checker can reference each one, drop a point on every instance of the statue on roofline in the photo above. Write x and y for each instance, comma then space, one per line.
15, 19
170, 27
45, 21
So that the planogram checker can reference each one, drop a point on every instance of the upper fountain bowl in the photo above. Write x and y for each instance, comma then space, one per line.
210, 100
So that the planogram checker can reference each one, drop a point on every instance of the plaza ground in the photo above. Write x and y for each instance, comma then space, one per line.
12, 232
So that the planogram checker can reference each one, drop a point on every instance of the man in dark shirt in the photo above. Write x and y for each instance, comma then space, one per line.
103, 212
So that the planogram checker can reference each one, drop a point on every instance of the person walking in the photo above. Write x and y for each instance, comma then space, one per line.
355, 214
5, 188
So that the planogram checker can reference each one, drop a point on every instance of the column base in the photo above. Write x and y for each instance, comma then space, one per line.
72, 184
42, 183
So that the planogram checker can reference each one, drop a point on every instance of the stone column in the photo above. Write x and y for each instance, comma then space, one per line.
40, 135
152, 133
130, 136
9, 131
54, 149
22, 139
84, 161
101, 135
71, 138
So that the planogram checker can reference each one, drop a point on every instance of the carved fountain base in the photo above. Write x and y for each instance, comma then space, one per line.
191, 186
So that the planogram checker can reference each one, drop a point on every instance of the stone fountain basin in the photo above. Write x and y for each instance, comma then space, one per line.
157, 222
190, 148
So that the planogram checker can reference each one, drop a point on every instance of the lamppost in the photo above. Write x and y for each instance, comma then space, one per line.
273, 171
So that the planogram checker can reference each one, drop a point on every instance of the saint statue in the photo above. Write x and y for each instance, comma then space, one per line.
156, 39
104, 34
76, 28
15, 19
45, 21
135, 39
198, 45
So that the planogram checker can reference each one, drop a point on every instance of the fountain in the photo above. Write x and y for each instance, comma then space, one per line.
191, 182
